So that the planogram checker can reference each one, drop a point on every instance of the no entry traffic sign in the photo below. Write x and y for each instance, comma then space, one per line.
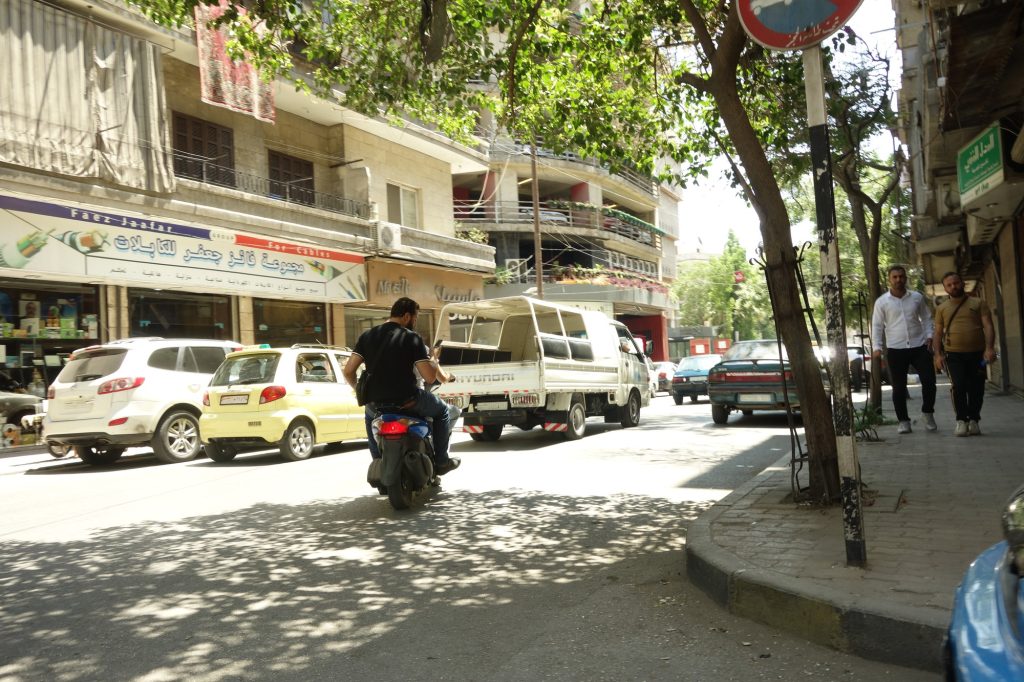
794, 24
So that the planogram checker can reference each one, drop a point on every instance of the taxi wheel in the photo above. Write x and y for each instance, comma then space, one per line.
98, 456
177, 438
298, 441
220, 453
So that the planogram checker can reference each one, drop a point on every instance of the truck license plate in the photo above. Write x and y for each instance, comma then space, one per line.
492, 406
235, 399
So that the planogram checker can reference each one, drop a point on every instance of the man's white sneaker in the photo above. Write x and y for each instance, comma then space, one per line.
973, 428
929, 421
904, 427
961, 429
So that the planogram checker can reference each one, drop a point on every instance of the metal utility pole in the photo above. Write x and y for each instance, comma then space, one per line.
538, 260
835, 323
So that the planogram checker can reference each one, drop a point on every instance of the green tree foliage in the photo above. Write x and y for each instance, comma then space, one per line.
708, 292
624, 81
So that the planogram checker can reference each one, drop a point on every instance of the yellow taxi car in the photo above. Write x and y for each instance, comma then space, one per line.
294, 398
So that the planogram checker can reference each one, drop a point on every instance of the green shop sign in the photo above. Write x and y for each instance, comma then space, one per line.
979, 165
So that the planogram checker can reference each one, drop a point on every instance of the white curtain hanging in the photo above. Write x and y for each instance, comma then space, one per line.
79, 99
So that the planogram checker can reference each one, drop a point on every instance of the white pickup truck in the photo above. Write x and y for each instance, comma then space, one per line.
526, 362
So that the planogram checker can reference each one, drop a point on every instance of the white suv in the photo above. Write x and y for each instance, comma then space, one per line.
142, 391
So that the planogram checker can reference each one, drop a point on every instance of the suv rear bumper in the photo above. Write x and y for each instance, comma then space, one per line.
100, 439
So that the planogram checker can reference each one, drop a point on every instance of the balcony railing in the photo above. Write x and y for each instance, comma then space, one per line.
520, 215
641, 181
198, 168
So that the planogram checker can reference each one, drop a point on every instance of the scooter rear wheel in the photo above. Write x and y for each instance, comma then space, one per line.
400, 496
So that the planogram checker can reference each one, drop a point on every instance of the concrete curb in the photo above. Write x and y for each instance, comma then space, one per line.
869, 628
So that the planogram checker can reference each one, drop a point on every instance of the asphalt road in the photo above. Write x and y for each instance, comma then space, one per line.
539, 559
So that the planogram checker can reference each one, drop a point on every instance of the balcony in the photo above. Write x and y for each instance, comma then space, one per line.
198, 168
517, 216
569, 284
644, 183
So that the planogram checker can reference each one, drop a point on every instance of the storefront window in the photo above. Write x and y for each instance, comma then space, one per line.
41, 323
284, 323
358, 320
179, 315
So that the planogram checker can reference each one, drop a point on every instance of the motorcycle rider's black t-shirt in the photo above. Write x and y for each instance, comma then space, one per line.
393, 381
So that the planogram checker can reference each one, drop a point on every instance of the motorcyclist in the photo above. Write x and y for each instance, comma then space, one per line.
398, 351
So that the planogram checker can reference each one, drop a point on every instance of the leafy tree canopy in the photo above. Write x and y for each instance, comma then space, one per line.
615, 81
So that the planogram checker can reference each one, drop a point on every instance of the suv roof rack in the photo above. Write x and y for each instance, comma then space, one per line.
136, 339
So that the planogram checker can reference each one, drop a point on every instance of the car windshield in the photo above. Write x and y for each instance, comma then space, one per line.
92, 364
699, 362
766, 349
247, 369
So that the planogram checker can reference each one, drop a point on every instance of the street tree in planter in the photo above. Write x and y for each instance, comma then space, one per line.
633, 83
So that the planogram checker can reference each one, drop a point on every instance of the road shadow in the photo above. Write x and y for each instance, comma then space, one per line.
345, 589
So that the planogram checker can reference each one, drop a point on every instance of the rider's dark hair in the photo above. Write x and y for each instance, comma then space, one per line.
404, 305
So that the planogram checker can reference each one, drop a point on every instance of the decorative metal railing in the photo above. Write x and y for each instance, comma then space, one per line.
198, 168
555, 215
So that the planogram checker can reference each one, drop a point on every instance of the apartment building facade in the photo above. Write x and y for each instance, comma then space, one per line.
607, 239
961, 117
132, 205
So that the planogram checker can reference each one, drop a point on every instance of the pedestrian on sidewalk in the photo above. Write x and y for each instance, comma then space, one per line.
901, 325
964, 342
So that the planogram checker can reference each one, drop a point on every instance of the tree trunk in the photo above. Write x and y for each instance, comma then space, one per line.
780, 259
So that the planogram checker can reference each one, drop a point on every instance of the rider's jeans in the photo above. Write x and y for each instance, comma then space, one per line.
430, 407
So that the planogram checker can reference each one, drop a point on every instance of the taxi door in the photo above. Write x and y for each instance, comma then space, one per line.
317, 381
346, 402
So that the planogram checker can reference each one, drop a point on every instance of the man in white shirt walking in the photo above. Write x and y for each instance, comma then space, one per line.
901, 325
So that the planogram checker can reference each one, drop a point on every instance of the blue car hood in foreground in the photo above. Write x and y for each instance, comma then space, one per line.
984, 643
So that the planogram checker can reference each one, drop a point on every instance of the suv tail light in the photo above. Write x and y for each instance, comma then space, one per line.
120, 384
50, 393
206, 398
272, 393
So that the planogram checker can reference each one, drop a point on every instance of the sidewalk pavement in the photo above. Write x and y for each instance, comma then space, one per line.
932, 502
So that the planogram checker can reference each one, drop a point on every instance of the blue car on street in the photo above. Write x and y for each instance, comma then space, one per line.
986, 635
691, 377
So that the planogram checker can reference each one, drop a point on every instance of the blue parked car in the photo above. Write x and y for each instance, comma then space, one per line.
691, 377
986, 635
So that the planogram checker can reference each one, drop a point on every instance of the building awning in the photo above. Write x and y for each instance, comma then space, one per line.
986, 66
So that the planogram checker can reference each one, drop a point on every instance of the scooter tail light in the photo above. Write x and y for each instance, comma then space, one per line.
395, 428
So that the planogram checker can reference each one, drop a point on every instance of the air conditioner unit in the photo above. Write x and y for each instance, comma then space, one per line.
388, 237
518, 267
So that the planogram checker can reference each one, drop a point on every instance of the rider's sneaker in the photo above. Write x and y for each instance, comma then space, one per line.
451, 465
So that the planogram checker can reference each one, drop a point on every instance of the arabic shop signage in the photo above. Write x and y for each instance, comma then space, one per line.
122, 248
979, 165
429, 287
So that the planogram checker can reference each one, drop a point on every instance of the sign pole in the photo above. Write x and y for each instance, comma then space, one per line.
835, 320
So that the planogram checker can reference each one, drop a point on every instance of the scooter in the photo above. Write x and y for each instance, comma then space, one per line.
405, 469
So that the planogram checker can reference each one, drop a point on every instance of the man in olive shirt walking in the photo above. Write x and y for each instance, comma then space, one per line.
964, 342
